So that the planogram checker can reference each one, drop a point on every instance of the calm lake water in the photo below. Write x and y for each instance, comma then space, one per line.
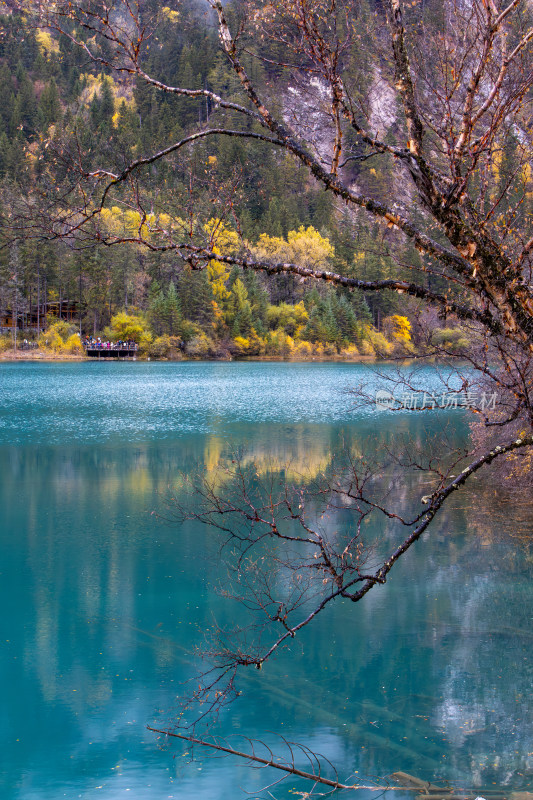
103, 603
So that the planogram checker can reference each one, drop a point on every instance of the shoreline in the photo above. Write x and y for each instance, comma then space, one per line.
40, 355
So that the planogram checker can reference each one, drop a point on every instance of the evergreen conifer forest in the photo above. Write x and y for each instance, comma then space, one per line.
62, 114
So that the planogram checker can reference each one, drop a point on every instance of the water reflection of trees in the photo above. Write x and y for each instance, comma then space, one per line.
446, 633
454, 635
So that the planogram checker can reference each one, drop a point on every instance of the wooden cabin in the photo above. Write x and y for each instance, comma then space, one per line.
35, 318
6, 320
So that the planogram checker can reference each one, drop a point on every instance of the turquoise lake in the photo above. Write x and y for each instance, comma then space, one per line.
103, 602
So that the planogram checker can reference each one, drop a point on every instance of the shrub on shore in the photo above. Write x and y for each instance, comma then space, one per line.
61, 337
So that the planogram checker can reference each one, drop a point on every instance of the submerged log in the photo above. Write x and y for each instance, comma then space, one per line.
429, 791
423, 787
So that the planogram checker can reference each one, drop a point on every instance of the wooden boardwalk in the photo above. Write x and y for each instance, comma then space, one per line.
115, 351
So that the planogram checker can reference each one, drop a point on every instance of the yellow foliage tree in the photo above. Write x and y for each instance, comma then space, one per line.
401, 328
126, 222
170, 15
306, 246
290, 318
132, 327
218, 275
47, 45
225, 241
60, 337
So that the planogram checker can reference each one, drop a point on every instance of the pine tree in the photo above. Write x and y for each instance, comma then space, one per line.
49, 106
7, 96
107, 104
4, 154
195, 296
28, 102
